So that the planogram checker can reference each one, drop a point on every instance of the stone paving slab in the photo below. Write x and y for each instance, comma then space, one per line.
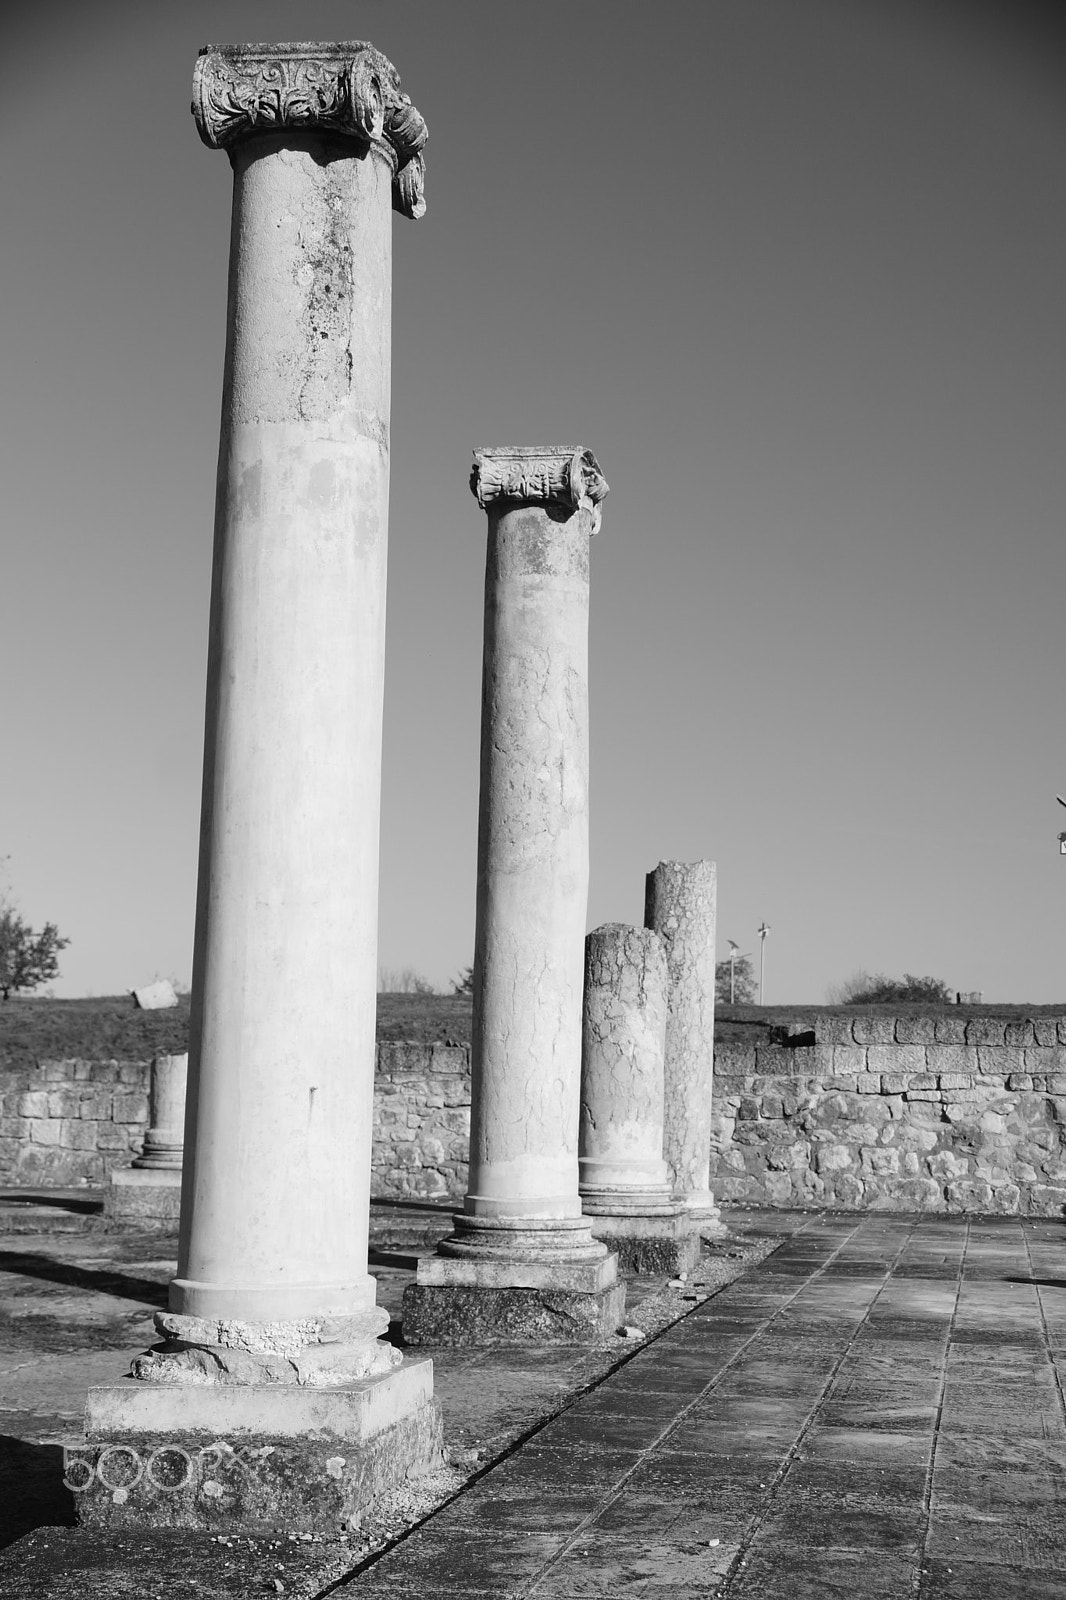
874, 1411
823, 1427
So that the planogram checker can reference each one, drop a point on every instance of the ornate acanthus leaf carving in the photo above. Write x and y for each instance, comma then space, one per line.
349, 89
558, 473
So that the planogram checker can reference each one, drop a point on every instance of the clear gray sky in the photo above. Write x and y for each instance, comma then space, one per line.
793, 269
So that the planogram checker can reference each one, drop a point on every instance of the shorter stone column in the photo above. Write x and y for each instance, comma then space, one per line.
148, 1194
680, 906
624, 1183
165, 1140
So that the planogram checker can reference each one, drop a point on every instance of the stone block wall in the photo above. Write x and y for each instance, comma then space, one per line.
421, 1121
895, 1113
875, 1112
65, 1123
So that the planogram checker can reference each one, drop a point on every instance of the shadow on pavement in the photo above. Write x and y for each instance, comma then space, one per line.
32, 1492
88, 1205
28, 1264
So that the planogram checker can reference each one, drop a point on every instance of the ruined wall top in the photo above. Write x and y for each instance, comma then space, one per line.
347, 88
561, 474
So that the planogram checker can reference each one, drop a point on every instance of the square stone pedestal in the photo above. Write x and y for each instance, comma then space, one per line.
457, 1302
147, 1197
650, 1245
251, 1456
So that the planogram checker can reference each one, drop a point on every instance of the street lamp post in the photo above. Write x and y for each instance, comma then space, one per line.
762, 931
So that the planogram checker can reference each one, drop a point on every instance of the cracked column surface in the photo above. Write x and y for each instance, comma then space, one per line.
272, 1294
623, 1036
626, 1186
521, 1245
680, 905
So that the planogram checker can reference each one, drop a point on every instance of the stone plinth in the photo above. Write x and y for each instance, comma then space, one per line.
251, 1457
651, 1244
625, 1184
680, 906
522, 1209
276, 1181
509, 1280
136, 1197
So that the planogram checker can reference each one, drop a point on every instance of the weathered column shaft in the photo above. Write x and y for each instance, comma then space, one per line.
532, 883
522, 1264
680, 906
286, 935
277, 1164
622, 1072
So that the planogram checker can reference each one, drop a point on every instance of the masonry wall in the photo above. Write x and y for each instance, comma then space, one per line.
66, 1123
909, 1113
421, 1121
895, 1113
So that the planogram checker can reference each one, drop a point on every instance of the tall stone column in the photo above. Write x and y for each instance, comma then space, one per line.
522, 1264
272, 1297
625, 1184
680, 906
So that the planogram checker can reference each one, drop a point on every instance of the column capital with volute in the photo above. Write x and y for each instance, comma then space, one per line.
563, 475
347, 89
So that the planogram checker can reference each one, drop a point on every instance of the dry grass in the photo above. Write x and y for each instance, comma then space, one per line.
112, 1028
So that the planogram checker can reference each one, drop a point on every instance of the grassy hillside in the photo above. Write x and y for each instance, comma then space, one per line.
100, 1029
113, 1027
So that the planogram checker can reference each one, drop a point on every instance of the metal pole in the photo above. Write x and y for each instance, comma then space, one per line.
762, 932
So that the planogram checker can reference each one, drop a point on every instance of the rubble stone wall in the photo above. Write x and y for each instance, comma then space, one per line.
861, 1112
896, 1113
65, 1123
421, 1121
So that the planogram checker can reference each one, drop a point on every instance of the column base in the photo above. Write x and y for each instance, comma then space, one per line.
251, 1457
651, 1244
701, 1208
487, 1314
143, 1197
160, 1156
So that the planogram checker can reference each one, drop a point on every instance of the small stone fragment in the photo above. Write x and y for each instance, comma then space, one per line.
155, 996
627, 1331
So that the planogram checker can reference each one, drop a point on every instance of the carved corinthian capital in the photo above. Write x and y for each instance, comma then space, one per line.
349, 89
557, 473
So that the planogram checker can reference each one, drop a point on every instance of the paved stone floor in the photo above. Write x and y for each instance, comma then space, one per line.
874, 1411
877, 1410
